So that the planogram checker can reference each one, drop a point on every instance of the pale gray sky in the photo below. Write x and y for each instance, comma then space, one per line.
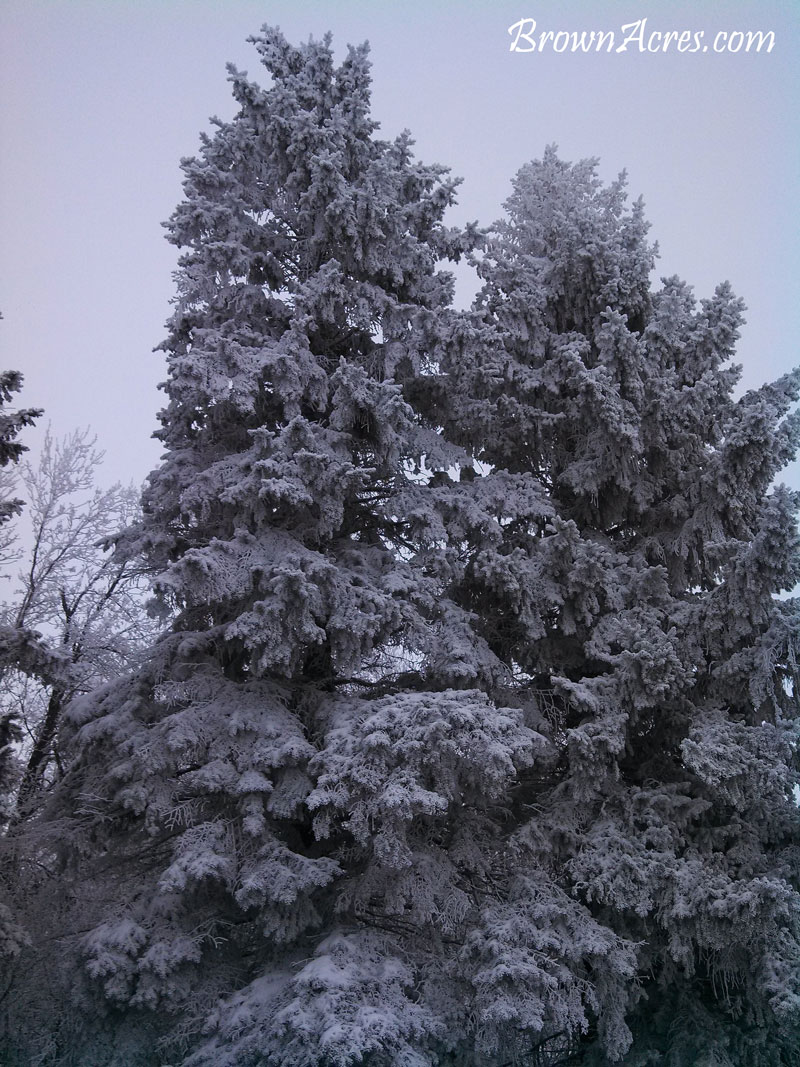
100, 100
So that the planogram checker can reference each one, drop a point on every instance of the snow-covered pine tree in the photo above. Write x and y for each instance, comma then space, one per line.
16, 644
259, 855
11, 422
659, 854
443, 763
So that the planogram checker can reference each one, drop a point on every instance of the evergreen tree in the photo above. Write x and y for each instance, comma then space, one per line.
471, 741
223, 796
16, 644
11, 422
643, 620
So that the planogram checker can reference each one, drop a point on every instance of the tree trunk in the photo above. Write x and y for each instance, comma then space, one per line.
37, 762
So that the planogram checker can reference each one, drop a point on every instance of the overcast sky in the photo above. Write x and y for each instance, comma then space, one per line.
99, 100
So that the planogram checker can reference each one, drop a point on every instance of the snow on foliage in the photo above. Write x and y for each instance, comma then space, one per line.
473, 739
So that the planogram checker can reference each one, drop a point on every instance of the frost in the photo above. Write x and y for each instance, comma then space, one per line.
473, 738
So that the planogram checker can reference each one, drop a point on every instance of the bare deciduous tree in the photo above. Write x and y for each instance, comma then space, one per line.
72, 600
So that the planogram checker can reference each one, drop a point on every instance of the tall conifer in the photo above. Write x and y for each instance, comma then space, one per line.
274, 784
644, 622
471, 740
